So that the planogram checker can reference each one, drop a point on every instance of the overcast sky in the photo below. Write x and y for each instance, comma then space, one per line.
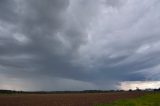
78, 44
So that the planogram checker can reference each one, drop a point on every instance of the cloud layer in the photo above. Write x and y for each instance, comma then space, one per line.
78, 44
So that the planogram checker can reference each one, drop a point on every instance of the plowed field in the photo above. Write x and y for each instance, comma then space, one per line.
84, 99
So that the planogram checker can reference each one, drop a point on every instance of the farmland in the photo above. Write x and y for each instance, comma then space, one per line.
146, 100
73, 99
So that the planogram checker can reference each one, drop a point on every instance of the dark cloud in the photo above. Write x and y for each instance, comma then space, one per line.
77, 44
114, 3
7, 9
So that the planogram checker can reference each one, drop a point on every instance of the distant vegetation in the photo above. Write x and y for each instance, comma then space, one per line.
147, 100
61, 92
9, 92
55, 92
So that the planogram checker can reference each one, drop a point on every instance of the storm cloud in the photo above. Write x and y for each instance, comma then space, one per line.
78, 44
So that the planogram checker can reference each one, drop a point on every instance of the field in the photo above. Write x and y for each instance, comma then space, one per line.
81, 99
147, 100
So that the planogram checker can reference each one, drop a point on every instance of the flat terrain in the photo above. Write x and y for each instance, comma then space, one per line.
146, 100
84, 99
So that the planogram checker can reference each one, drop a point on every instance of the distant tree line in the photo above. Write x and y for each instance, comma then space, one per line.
62, 92
9, 92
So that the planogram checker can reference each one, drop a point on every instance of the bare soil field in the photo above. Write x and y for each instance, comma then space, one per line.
84, 99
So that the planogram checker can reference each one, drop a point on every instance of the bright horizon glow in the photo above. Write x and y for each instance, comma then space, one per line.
126, 85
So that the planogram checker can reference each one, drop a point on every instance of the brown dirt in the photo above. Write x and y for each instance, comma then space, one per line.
89, 99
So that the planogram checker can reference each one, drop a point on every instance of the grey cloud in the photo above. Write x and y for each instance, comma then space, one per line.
7, 9
114, 3
51, 45
83, 44
120, 44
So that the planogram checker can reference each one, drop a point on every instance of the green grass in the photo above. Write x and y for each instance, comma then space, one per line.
147, 100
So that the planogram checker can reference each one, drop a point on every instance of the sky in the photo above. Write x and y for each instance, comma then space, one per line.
79, 44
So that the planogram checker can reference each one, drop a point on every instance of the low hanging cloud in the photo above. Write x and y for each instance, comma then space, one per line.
78, 44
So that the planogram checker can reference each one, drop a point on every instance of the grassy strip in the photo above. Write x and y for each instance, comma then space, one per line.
147, 100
